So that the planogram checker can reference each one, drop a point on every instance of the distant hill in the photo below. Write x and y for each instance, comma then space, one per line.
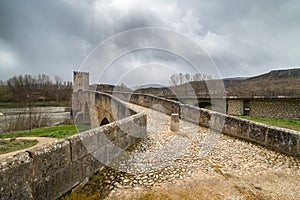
149, 85
277, 82
278, 74
280, 82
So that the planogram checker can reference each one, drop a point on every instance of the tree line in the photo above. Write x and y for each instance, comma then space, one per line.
28, 88
181, 78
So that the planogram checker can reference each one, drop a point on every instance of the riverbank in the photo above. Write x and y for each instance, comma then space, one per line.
14, 119
35, 104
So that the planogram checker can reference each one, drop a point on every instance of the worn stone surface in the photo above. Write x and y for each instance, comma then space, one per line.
50, 158
16, 177
235, 107
165, 159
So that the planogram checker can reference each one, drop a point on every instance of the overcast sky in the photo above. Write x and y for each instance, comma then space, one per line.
243, 38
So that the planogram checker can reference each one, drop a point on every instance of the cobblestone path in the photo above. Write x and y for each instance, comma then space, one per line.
196, 163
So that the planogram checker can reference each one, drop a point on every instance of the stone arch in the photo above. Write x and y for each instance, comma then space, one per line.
104, 122
203, 105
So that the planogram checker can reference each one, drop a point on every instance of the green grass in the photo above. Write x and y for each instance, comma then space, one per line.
82, 127
60, 131
35, 104
7, 146
284, 123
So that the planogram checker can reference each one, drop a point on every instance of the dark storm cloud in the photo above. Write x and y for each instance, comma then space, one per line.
53, 37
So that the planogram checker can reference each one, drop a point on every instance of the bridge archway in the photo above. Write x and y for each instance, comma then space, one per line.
206, 105
104, 122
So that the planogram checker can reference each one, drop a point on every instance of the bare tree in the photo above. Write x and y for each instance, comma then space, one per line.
58, 87
187, 77
197, 77
181, 78
44, 84
17, 86
174, 79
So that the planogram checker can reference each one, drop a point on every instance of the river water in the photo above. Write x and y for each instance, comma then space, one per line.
11, 115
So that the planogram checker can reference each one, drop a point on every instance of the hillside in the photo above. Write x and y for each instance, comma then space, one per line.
274, 83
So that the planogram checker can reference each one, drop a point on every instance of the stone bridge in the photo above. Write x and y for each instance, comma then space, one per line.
110, 126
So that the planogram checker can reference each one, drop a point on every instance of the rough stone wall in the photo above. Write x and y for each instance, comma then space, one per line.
279, 108
235, 107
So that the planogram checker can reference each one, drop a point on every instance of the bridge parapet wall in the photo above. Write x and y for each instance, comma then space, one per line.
279, 139
50, 171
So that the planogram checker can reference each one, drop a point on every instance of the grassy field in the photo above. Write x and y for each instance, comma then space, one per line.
284, 123
7, 146
35, 104
60, 131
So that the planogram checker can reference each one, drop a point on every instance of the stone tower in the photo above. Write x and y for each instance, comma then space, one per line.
81, 81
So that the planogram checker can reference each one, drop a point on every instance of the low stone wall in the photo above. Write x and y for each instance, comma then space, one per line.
50, 171
150, 101
279, 139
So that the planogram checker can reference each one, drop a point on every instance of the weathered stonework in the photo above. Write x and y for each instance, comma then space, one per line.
235, 107
272, 108
275, 108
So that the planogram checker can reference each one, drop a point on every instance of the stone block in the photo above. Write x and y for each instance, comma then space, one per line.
258, 132
205, 116
90, 164
63, 180
16, 177
284, 141
50, 158
78, 149
190, 113
174, 122
236, 127
217, 121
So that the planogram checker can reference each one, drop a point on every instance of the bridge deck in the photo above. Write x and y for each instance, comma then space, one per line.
195, 163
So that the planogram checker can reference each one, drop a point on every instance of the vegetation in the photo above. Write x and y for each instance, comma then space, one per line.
7, 146
180, 78
98, 187
25, 89
5, 94
35, 104
60, 131
284, 123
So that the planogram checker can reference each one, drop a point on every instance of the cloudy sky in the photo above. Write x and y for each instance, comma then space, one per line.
243, 38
